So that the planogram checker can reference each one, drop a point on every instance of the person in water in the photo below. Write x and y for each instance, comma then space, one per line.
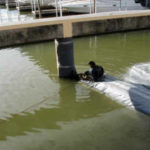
96, 72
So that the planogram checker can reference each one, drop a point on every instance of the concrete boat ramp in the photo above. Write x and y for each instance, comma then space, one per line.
133, 91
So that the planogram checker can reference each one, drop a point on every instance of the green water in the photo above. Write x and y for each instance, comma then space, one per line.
39, 111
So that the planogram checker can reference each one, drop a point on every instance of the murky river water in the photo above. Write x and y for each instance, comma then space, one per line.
40, 111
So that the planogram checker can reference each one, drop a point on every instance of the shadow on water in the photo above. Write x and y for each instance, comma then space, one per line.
139, 76
139, 94
72, 106
140, 97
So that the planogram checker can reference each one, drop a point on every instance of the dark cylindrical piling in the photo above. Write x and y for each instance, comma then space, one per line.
65, 57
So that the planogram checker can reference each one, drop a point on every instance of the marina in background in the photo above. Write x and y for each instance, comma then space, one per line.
22, 10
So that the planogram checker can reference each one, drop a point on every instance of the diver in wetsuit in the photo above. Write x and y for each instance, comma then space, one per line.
94, 74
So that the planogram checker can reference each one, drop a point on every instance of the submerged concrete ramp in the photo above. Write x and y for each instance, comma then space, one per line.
133, 91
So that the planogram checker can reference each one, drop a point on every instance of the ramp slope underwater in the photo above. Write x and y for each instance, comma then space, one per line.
132, 91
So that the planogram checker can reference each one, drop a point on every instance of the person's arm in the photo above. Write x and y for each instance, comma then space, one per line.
89, 72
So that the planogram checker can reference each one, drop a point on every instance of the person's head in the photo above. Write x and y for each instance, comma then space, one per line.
92, 64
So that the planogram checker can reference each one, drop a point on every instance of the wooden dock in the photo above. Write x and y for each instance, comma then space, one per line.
24, 8
2, 2
10, 3
50, 12
28, 7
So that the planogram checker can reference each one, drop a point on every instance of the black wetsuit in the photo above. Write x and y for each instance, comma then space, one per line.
97, 73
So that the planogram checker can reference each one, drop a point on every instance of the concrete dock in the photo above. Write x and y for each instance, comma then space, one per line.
72, 26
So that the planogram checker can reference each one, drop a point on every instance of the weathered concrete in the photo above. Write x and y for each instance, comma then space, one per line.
30, 35
73, 26
110, 25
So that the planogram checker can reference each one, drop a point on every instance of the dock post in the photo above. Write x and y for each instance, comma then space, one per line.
39, 9
65, 58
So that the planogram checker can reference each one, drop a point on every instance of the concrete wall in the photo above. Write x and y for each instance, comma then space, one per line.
30, 35
72, 26
110, 25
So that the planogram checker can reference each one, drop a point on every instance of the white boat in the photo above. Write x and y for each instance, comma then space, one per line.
87, 6
77, 6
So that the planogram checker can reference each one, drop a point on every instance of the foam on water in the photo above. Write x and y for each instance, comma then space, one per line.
139, 74
133, 91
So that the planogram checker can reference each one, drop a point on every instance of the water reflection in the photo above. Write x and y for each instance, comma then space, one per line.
72, 106
42, 55
33, 76
74, 102
12, 15
116, 52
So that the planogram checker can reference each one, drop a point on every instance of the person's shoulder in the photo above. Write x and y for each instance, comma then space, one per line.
99, 66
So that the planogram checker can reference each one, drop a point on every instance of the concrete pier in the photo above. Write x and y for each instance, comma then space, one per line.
65, 57
73, 26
